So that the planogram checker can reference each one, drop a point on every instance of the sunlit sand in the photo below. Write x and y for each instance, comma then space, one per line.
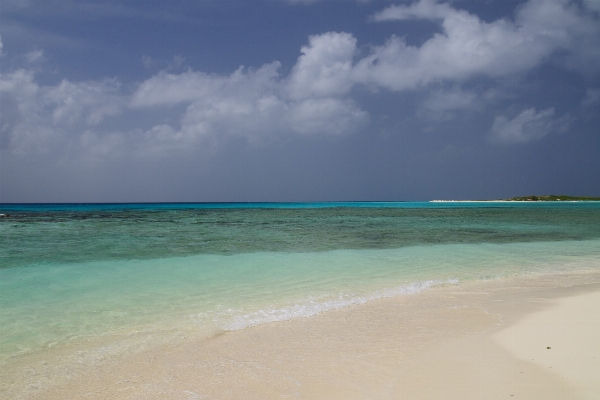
477, 340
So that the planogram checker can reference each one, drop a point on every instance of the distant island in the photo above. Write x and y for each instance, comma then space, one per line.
552, 197
549, 197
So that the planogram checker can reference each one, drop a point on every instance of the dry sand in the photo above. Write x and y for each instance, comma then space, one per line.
564, 338
481, 340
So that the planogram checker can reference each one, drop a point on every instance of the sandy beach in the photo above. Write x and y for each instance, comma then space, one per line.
529, 338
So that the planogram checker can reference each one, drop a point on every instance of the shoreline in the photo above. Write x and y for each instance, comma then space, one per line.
440, 342
514, 201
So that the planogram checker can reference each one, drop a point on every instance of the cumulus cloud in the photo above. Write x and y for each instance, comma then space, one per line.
325, 66
259, 103
316, 96
469, 46
87, 102
171, 89
255, 104
529, 125
42, 116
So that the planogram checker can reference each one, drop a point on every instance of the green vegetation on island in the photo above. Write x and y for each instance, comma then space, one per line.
552, 197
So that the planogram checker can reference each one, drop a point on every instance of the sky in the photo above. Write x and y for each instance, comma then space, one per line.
298, 100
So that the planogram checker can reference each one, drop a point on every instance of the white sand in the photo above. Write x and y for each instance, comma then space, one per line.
484, 340
564, 339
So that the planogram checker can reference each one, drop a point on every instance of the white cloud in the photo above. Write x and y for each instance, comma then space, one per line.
443, 104
469, 46
255, 104
592, 98
328, 115
428, 9
35, 55
87, 102
171, 89
28, 128
315, 98
43, 117
529, 125
325, 66
259, 103
453, 99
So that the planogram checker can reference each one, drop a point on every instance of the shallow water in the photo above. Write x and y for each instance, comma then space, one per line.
71, 272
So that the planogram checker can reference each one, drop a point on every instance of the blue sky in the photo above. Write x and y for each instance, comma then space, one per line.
275, 100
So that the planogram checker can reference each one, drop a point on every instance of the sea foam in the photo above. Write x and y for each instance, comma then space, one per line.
310, 307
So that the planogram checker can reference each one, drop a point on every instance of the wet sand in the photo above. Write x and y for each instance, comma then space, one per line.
469, 341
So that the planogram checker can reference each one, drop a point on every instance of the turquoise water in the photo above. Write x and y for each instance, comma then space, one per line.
75, 272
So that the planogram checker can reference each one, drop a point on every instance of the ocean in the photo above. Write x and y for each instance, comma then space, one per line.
132, 274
